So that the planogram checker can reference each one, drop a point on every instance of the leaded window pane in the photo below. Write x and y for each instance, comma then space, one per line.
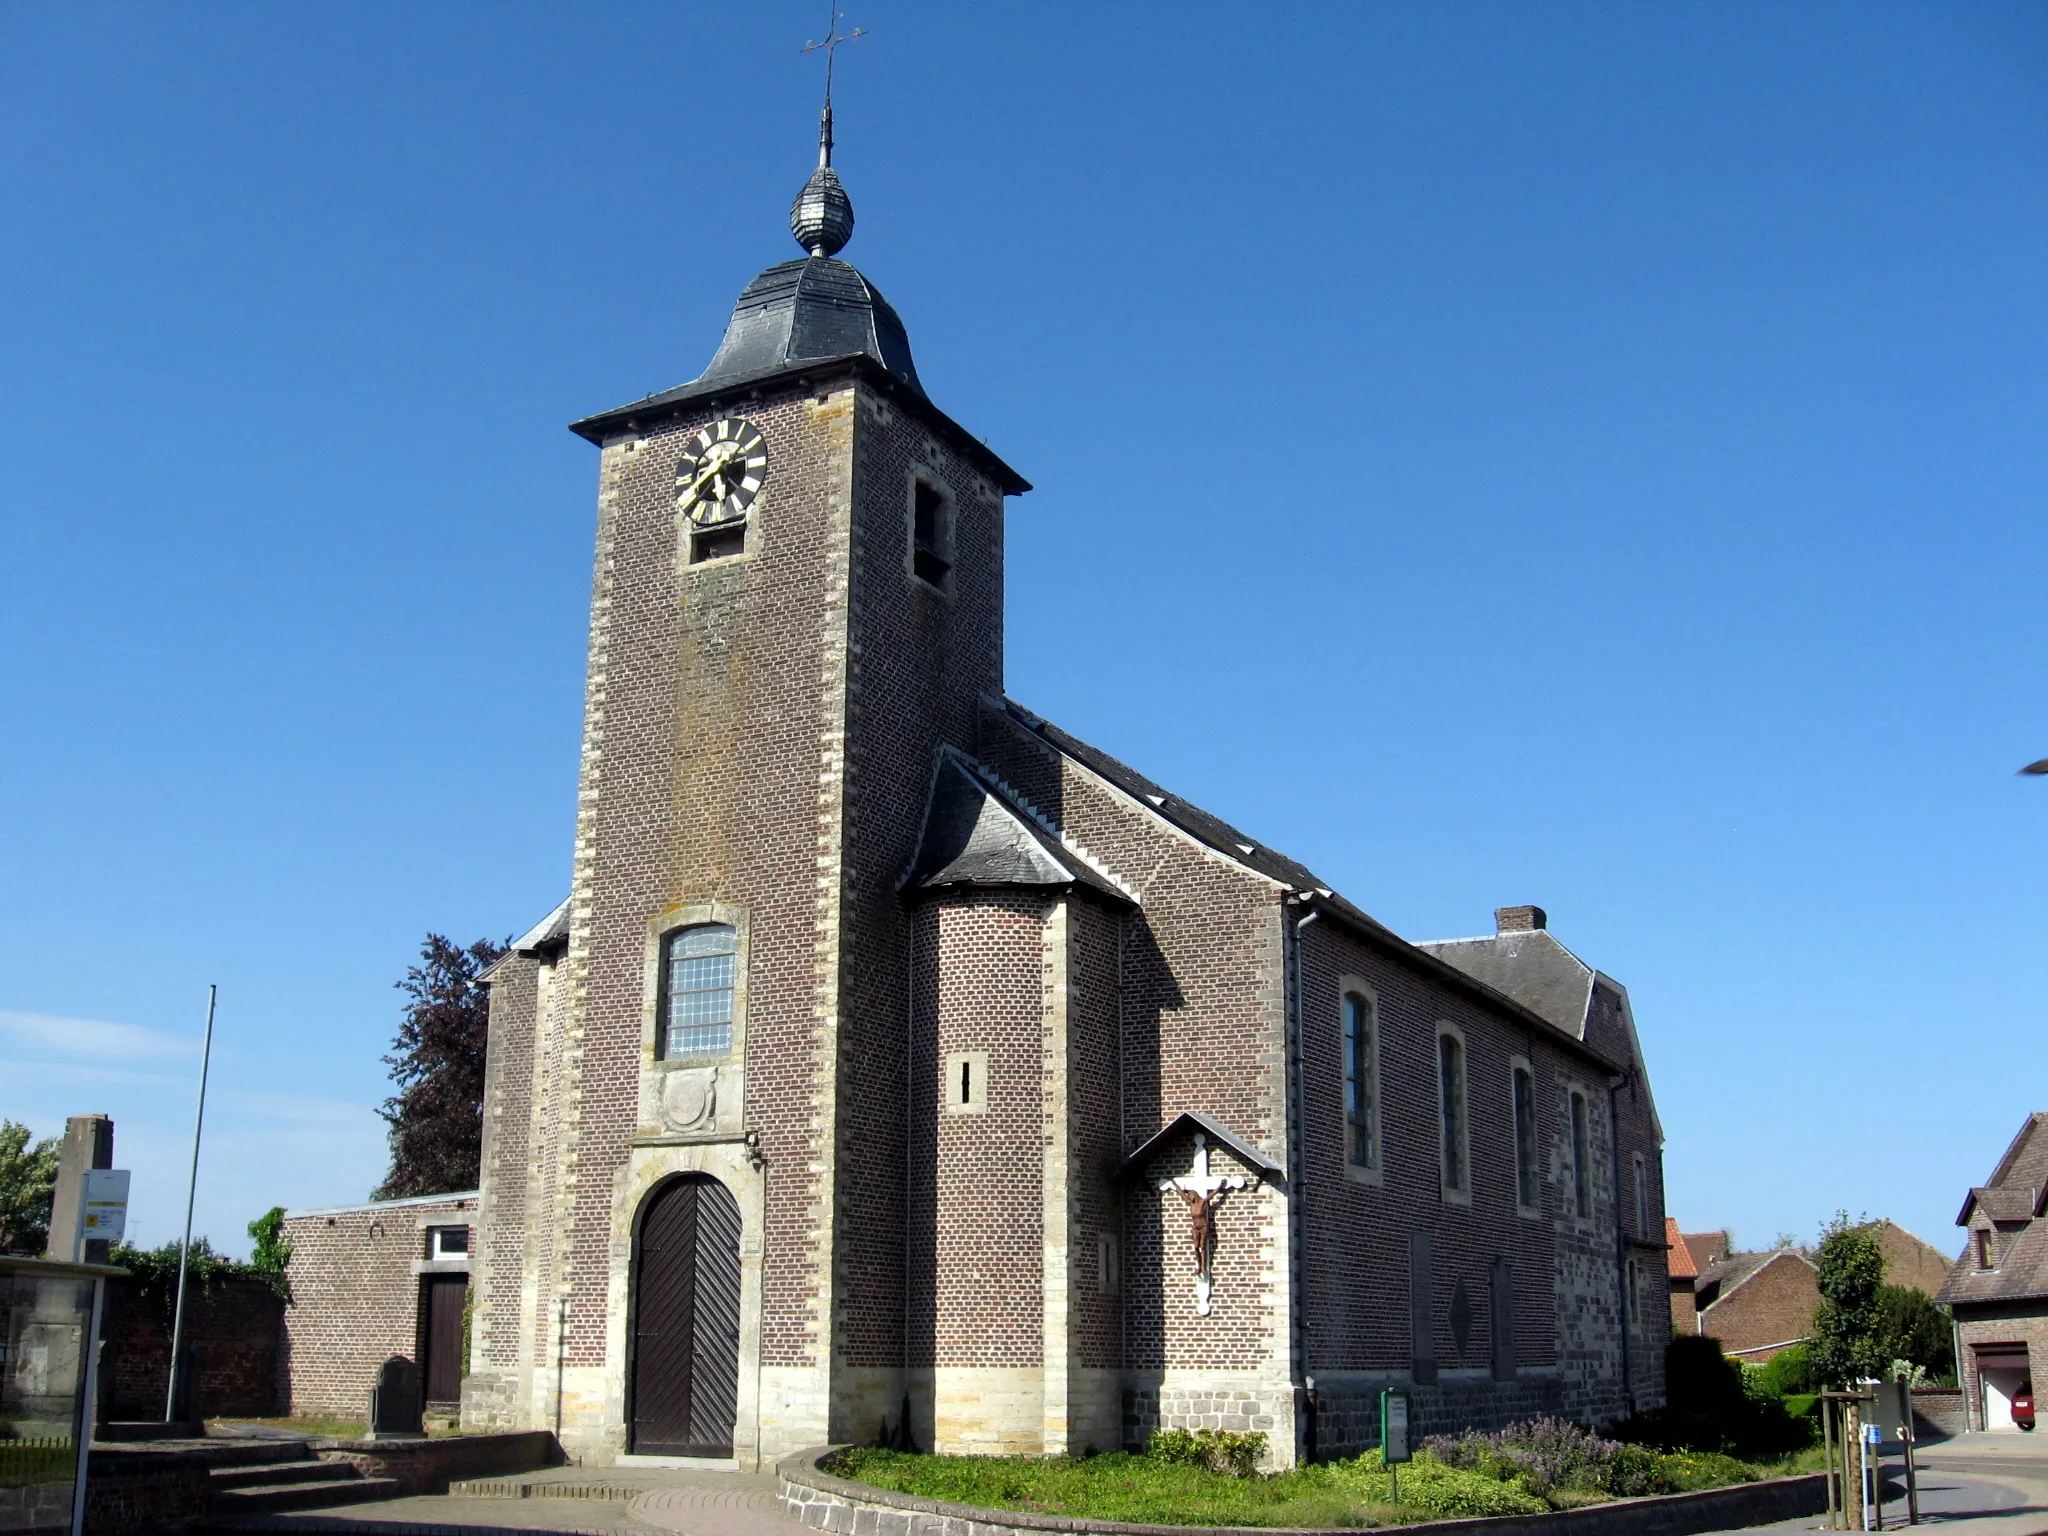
697, 991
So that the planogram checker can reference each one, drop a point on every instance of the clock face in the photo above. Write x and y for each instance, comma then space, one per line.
720, 472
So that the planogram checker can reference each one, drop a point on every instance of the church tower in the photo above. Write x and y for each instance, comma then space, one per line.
798, 601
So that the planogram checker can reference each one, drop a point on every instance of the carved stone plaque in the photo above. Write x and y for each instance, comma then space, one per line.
689, 1098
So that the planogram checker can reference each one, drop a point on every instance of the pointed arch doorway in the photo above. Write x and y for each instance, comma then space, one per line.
686, 1320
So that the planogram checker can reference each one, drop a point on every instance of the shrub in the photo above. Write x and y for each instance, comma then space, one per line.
1790, 1371
1636, 1471
1712, 1405
1219, 1450
1428, 1484
1543, 1454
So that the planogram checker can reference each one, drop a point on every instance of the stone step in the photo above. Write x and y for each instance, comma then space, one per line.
263, 1473
271, 1498
220, 1452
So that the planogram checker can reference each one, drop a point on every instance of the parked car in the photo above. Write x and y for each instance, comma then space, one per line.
2023, 1406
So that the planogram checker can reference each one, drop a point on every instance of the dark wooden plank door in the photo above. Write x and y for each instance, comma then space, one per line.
441, 1304
686, 1321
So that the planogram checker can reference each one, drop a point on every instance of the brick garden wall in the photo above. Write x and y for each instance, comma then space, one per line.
236, 1327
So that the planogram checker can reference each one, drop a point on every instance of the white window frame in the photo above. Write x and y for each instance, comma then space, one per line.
1459, 1193
434, 1235
1373, 1172
965, 1084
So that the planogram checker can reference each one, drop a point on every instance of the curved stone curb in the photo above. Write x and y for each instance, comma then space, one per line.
828, 1503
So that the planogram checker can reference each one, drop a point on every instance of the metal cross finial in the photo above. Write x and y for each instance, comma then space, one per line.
833, 38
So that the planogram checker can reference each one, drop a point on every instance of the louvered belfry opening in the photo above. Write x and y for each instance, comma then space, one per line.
686, 1320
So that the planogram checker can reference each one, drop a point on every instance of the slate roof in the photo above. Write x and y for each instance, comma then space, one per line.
817, 316
1186, 1124
974, 834
1288, 874
1531, 967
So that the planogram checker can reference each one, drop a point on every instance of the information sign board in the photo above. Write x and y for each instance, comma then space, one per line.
103, 1213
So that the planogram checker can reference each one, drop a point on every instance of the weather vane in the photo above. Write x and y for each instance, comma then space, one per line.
833, 38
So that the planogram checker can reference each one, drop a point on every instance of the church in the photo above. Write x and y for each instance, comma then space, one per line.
901, 1068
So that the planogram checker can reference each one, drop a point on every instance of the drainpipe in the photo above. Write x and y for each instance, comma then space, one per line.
1297, 1163
1628, 1380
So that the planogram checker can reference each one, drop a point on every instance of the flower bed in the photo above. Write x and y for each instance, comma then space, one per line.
1530, 1469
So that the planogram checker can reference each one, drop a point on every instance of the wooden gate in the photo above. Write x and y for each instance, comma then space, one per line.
441, 1303
686, 1320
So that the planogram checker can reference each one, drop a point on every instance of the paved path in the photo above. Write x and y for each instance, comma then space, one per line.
572, 1501
1983, 1485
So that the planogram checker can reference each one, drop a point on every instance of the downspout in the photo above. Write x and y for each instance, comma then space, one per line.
1297, 1163
1628, 1380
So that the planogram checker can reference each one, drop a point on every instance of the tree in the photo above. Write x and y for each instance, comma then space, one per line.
1911, 1327
437, 1115
1846, 1344
28, 1185
272, 1250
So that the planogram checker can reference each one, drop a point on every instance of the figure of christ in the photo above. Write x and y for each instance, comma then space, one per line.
1202, 1192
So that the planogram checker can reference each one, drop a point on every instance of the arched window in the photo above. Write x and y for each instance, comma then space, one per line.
1361, 1082
1450, 1080
696, 991
1526, 1191
1582, 1157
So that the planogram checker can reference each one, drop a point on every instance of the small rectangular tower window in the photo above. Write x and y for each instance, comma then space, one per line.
1642, 1177
1526, 1192
718, 543
447, 1242
1450, 1082
1984, 1249
966, 1083
931, 534
1105, 1263
1582, 1154
1361, 1081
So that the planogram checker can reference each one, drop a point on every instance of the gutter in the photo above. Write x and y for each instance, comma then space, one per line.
1628, 1379
1305, 1436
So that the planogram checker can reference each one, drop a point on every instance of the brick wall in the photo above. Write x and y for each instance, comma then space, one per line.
236, 1327
1770, 1310
355, 1296
2015, 1325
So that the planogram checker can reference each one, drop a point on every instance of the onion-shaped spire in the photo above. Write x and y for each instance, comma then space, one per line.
821, 218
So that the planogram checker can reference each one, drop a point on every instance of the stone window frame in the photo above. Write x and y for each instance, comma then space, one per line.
1640, 1170
971, 1069
1578, 1190
1450, 1193
659, 927
948, 543
1374, 1172
1531, 1173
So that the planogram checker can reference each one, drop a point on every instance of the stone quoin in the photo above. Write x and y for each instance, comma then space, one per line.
901, 1067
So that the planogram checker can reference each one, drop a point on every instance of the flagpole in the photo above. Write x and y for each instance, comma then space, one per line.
191, 1191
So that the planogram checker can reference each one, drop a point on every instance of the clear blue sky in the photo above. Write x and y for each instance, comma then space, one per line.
1581, 454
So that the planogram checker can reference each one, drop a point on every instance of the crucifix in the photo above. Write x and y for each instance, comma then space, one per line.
833, 38
1202, 1192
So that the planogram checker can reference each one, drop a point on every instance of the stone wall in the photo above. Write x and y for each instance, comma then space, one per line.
2020, 1325
236, 1328
144, 1492
355, 1278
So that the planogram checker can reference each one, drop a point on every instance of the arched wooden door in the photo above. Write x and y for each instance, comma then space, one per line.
686, 1320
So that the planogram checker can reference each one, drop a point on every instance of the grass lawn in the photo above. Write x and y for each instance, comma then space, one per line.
337, 1428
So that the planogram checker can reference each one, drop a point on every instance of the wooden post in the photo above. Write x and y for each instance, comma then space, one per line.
1828, 1438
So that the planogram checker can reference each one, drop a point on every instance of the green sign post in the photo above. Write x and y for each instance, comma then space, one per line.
1394, 1448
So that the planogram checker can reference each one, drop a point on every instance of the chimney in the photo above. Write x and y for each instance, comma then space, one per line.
1519, 919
